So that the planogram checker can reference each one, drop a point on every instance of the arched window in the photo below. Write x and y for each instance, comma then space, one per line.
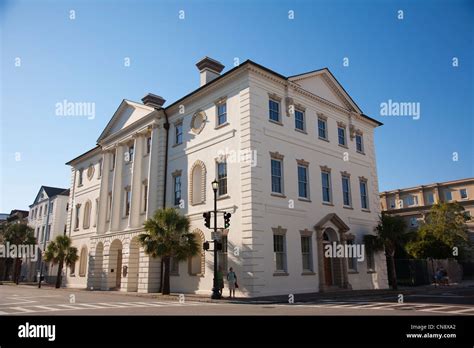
197, 263
197, 189
87, 215
83, 262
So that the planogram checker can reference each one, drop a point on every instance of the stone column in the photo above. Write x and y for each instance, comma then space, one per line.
320, 247
149, 273
136, 182
104, 275
156, 169
102, 225
116, 213
422, 197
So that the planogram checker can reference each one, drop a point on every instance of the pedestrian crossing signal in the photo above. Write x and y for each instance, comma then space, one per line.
227, 220
205, 245
207, 219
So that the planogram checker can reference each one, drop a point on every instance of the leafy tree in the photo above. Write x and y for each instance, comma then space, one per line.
18, 234
167, 236
444, 229
391, 234
61, 252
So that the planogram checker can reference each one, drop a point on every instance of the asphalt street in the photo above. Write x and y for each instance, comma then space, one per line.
29, 300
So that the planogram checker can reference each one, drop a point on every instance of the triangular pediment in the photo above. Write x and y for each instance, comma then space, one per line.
332, 220
323, 84
127, 113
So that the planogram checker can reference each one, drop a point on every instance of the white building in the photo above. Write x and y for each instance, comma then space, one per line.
47, 217
295, 160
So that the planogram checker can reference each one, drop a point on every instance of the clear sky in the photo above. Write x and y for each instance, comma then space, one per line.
82, 60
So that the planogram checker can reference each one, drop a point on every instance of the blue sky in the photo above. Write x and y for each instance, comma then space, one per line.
82, 60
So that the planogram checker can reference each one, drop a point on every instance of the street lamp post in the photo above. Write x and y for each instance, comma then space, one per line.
215, 289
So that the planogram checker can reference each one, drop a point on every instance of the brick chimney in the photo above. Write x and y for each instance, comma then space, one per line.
153, 100
209, 69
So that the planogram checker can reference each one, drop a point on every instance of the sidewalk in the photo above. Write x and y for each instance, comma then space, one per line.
339, 294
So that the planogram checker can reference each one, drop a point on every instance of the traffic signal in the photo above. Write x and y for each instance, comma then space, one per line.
218, 246
227, 220
205, 245
207, 219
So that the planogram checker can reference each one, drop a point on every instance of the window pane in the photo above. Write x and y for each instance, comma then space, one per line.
341, 132
322, 128
221, 114
274, 109
299, 120
222, 177
303, 181
276, 176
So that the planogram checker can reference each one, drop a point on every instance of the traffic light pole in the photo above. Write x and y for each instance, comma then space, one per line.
215, 290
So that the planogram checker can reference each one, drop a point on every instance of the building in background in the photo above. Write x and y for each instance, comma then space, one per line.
414, 202
295, 161
47, 218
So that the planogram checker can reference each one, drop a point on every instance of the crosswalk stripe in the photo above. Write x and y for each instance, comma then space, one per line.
88, 305
47, 308
68, 306
21, 309
111, 305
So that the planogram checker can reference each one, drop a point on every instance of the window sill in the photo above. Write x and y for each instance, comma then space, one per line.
143, 213
125, 217
174, 274
347, 207
328, 204
76, 229
279, 195
370, 271
200, 203
80, 185
366, 210
302, 199
275, 122
175, 145
308, 273
361, 152
352, 272
301, 131
280, 274
344, 146
324, 139
146, 154
219, 126
226, 196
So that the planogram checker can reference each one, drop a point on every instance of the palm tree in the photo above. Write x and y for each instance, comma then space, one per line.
18, 234
391, 234
60, 251
167, 236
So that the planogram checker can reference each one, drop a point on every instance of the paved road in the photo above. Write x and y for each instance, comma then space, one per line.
25, 300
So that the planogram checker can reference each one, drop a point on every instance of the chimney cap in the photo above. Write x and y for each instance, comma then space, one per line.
210, 64
153, 100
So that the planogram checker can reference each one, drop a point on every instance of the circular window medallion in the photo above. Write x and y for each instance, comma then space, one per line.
90, 172
198, 122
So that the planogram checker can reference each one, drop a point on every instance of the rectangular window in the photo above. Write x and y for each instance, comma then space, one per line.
112, 165
100, 169
148, 145
109, 205
412, 200
352, 261
430, 198
78, 212
346, 191
222, 178
177, 189
359, 143
277, 186
306, 254
448, 195
174, 266
322, 129
413, 222
145, 197
80, 177
96, 219
274, 110
48, 232
51, 208
279, 250
128, 201
179, 133
341, 136
131, 150
299, 120
303, 181
326, 186
42, 235
364, 198
463, 193
370, 260
221, 113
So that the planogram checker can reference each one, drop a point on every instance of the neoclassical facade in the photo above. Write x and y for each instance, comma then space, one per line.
295, 161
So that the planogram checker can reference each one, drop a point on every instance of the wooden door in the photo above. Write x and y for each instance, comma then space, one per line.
327, 270
118, 276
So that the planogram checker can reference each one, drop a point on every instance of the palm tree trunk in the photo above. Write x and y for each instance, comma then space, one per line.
166, 280
393, 271
161, 275
60, 272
